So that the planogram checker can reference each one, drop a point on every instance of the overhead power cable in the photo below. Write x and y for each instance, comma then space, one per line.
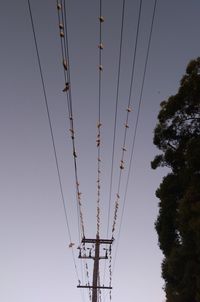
52, 136
115, 123
61, 8
116, 111
63, 29
136, 128
99, 124
126, 126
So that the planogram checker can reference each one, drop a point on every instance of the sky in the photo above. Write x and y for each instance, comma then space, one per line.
35, 260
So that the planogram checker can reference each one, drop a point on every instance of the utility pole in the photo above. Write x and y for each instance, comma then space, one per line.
97, 242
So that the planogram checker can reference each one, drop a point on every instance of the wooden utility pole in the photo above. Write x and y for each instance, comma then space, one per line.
97, 242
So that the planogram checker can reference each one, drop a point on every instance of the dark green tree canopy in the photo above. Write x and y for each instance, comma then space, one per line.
179, 121
177, 136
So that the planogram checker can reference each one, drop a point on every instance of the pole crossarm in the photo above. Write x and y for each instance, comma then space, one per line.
88, 257
96, 287
100, 241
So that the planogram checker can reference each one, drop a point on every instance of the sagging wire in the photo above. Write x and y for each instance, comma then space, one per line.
61, 9
126, 127
87, 272
136, 128
116, 111
110, 270
99, 290
67, 89
99, 124
52, 137
115, 121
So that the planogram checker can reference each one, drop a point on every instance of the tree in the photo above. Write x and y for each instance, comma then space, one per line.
177, 135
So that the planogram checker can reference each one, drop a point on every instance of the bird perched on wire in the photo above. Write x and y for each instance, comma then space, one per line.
101, 19
67, 86
101, 46
65, 65
62, 34
122, 165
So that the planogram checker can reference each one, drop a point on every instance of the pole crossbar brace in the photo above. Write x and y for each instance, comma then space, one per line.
100, 241
90, 286
88, 257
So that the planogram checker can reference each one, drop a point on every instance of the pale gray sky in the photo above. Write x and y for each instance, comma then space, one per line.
36, 263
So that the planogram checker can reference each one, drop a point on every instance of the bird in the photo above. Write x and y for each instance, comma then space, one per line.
58, 6
101, 45
62, 34
122, 165
98, 142
101, 19
67, 85
65, 65
74, 154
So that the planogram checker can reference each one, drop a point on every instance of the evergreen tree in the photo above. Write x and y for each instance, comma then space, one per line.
177, 135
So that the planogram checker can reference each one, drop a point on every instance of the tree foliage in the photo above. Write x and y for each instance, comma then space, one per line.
177, 135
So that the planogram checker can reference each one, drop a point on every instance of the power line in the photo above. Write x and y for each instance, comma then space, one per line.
115, 121
67, 89
98, 140
51, 132
136, 128
62, 19
126, 125
65, 54
69, 98
116, 111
